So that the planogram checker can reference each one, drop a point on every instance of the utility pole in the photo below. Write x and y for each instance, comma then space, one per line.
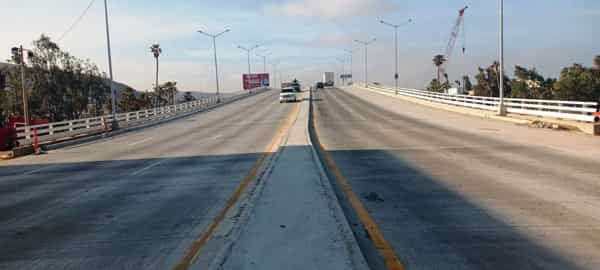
395, 26
156, 51
214, 40
366, 44
114, 123
501, 107
19, 56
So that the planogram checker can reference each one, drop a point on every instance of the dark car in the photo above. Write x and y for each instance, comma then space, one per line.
320, 85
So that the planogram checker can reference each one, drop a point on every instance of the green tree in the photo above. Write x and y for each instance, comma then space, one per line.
144, 101
488, 82
59, 85
467, 83
435, 86
528, 83
578, 83
129, 101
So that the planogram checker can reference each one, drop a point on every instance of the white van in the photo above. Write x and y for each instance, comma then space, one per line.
288, 94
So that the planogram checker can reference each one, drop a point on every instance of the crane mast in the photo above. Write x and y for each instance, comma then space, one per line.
456, 31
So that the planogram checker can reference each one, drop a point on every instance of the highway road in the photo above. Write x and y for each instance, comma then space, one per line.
134, 201
451, 191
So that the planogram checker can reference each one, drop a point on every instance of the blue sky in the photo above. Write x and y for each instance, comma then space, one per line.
306, 36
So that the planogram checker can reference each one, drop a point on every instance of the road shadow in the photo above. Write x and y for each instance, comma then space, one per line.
125, 214
433, 227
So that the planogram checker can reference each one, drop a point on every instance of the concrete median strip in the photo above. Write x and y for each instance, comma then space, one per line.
259, 168
288, 217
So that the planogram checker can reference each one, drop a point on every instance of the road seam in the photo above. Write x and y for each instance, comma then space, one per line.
194, 251
391, 260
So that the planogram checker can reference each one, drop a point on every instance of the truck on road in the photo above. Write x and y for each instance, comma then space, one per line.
328, 79
294, 84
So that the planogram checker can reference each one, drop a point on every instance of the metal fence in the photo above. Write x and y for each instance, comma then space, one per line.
569, 110
81, 127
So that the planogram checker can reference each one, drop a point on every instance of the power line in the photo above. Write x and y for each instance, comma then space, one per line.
76, 21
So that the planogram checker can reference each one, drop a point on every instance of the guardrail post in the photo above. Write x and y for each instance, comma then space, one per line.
104, 124
87, 123
50, 129
35, 142
71, 126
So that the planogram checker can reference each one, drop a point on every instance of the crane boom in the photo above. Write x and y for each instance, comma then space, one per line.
452, 42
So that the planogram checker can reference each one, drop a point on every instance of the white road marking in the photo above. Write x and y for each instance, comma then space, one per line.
38, 169
140, 171
142, 141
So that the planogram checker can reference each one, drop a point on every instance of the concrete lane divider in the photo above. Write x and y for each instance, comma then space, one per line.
199, 244
384, 249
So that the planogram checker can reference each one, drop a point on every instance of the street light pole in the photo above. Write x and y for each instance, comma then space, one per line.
264, 57
366, 44
214, 40
343, 61
114, 123
395, 26
501, 107
351, 53
248, 50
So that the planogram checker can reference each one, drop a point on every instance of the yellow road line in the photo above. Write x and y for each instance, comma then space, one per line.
392, 262
197, 246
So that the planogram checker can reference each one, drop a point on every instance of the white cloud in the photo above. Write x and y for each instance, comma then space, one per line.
332, 9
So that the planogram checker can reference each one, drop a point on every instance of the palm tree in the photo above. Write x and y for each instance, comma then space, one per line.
438, 61
156, 51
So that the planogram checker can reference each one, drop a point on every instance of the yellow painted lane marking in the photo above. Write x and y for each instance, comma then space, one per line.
392, 262
197, 246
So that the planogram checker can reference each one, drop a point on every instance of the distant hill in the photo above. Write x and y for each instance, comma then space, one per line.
119, 87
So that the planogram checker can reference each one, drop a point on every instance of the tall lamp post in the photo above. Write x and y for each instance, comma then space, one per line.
214, 40
396, 26
351, 53
264, 57
275, 73
366, 44
114, 123
156, 51
343, 75
501, 107
248, 51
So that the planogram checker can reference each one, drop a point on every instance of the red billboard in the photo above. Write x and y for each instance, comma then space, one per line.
252, 81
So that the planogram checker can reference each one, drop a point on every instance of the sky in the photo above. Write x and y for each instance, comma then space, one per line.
306, 37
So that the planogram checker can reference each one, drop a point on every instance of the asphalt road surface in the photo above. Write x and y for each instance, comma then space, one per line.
451, 191
135, 201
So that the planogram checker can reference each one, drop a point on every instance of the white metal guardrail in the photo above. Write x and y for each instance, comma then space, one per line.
73, 128
569, 110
